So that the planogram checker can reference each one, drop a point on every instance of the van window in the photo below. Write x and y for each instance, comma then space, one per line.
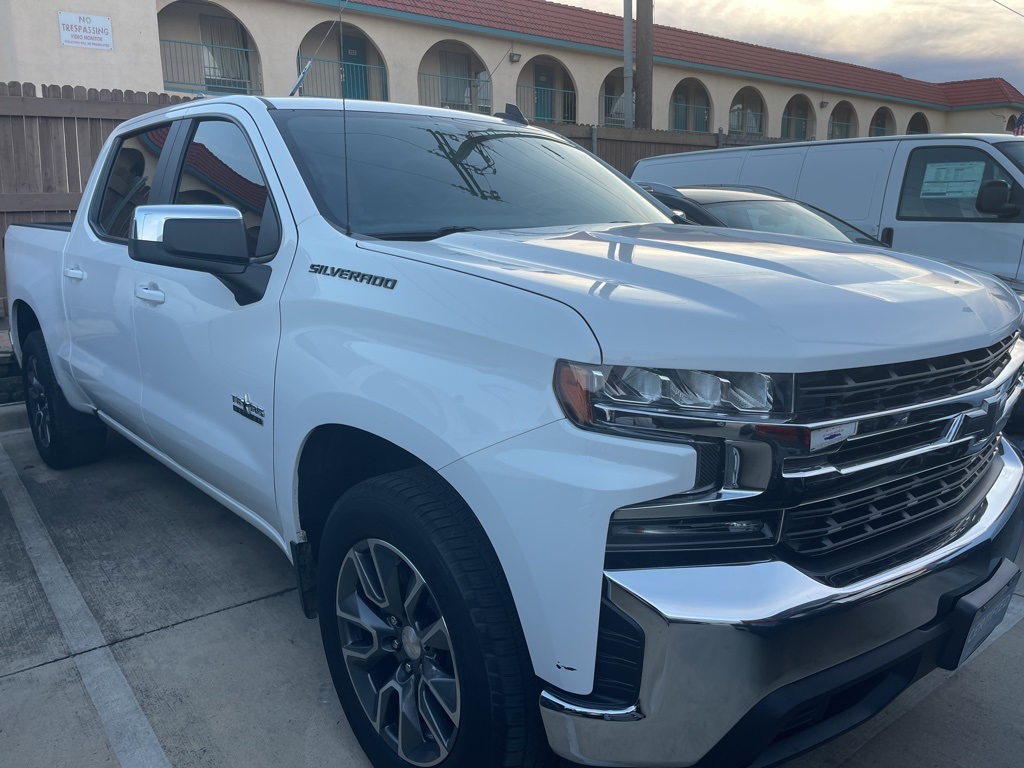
1013, 150
942, 183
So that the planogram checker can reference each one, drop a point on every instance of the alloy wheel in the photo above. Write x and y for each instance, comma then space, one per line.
38, 404
398, 652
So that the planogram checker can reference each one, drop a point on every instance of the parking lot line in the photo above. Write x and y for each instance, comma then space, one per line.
126, 726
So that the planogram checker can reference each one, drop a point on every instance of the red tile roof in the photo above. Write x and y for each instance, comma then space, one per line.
581, 26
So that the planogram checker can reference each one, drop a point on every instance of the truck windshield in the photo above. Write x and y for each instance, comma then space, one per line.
416, 177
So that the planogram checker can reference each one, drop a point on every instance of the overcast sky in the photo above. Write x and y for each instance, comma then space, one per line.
935, 40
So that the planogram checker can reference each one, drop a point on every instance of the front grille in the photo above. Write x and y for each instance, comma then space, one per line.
882, 437
854, 391
921, 504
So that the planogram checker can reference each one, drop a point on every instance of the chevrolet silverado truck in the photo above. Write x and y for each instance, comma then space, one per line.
562, 479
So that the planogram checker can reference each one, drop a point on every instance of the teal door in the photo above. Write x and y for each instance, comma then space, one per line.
353, 50
543, 99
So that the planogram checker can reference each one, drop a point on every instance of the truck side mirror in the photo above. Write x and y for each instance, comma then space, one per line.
994, 198
202, 238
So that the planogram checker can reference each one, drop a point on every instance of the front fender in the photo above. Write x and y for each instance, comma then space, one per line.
442, 365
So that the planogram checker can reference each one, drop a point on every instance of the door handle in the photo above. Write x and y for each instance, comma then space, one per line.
74, 273
149, 293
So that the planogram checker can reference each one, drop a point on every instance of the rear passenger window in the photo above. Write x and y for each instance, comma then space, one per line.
943, 182
129, 180
221, 169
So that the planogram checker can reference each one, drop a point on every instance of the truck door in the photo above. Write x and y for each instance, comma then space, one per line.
929, 206
207, 362
99, 289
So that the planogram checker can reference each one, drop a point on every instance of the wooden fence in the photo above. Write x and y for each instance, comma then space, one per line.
48, 143
622, 147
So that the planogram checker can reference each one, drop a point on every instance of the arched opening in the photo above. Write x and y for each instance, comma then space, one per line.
1011, 124
451, 75
842, 123
918, 124
613, 99
798, 121
883, 123
206, 49
747, 113
545, 91
690, 109
329, 52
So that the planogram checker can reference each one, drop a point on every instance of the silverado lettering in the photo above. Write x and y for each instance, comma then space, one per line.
360, 277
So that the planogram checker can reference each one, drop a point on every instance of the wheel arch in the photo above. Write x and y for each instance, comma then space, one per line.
334, 458
23, 322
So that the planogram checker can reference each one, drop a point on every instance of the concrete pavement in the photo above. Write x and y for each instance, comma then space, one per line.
142, 624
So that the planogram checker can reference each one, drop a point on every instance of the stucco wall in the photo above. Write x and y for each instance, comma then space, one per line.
31, 51
279, 30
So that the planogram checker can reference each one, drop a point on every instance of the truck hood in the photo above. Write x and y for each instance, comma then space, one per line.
720, 299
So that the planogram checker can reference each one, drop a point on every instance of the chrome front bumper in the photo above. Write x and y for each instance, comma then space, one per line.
722, 641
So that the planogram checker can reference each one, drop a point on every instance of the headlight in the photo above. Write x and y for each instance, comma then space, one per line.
642, 399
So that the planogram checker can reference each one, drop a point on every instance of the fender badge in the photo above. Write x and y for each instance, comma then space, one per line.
248, 408
377, 281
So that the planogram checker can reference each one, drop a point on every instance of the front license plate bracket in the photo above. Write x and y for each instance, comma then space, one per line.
978, 613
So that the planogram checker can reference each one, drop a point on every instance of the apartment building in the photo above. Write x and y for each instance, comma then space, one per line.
558, 63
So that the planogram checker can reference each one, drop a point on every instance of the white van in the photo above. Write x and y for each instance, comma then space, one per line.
956, 197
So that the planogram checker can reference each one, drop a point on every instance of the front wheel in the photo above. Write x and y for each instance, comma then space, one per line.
421, 635
63, 436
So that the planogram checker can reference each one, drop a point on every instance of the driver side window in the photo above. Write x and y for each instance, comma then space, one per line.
943, 182
221, 169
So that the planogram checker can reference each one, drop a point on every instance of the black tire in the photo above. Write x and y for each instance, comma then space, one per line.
412, 524
64, 437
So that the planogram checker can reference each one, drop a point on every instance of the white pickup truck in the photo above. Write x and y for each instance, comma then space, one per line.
559, 476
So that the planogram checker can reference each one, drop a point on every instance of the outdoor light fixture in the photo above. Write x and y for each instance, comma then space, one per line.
514, 57
823, 104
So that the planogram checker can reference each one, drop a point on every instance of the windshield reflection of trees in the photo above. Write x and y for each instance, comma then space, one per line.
459, 157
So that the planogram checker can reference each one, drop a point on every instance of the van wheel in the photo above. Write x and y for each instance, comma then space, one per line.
422, 638
64, 437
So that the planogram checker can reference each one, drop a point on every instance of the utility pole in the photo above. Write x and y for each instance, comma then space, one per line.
644, 63
627, 62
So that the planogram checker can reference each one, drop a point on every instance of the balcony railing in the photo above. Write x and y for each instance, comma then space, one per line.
746, 121
796, 128
469, 94
362, 81
690, 117
613, 110
201, 68
840, 130
546, 105
882, 130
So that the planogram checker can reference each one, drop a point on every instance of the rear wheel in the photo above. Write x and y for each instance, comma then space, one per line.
422, 638
63, 436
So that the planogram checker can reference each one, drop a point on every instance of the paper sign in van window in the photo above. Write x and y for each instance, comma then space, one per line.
952, 179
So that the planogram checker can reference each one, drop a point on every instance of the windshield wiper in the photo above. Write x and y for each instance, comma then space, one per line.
424, 234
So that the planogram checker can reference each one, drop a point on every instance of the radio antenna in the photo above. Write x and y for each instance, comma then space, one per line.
302, 75
344, 115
